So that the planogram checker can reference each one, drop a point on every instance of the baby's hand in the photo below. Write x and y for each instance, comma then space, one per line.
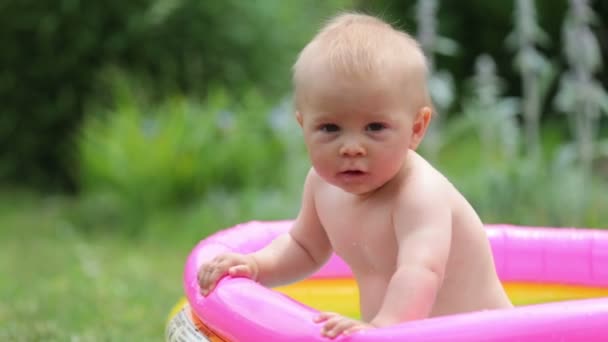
336, 324
235, 265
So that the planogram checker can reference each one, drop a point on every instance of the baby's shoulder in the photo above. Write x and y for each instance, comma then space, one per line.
314, 184
425, 185
312, 178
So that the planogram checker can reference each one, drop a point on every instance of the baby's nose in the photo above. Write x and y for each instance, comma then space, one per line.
352, 149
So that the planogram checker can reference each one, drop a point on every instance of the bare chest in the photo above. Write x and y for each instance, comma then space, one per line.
360, 233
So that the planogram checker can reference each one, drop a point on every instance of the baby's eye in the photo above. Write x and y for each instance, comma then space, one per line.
375, 127
329, 128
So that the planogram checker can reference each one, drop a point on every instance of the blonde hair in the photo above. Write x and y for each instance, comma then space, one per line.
359, 46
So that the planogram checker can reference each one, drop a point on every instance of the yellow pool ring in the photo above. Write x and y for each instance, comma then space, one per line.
342, 295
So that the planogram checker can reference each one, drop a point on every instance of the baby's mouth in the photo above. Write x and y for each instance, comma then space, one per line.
352, 172
352, 176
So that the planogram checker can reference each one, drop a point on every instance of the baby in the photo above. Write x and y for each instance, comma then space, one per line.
416, 247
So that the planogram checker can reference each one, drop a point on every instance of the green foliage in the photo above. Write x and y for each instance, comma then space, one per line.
147, 149
440, 82
191, 44
536, 71
148, 155
502, 182
49, 55
53, 52
493, 115
522, 193
482, 27
581, 96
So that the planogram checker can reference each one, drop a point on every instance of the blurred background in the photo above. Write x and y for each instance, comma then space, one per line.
130, 130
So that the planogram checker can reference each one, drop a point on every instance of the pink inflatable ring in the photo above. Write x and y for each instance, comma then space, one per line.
566, 268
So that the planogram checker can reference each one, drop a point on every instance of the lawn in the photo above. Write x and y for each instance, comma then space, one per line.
59, 283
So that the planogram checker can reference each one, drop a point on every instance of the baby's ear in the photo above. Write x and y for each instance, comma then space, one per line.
421, 123
299, 117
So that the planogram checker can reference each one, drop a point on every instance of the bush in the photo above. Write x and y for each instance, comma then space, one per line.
525, 194
148, 156
54, 51
483, 27
51, 52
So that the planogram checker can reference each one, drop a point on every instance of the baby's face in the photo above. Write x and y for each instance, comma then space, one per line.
357, 135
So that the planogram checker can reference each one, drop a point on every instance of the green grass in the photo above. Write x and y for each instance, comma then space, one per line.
69, 272
58, 284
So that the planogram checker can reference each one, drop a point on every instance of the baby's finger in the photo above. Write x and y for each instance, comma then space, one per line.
339, 327
324, 316
213, 276
240, 271
331, 323
202, 275
353, 329
212, 272
205, 279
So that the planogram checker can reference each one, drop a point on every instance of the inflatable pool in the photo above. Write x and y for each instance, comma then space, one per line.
556, 278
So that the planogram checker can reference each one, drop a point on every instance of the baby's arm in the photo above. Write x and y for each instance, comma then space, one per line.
302, 251
423, 229
287, 258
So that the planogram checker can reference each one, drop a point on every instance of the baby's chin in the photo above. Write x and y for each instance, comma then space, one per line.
358, 189
359, 184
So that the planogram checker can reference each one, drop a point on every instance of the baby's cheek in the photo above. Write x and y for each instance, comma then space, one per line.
390, 162
323, 171
321, 158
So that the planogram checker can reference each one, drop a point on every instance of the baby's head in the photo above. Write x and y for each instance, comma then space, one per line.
361, 97
354, 51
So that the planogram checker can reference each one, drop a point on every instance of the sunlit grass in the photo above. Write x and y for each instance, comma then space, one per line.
59, 285
94, 281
